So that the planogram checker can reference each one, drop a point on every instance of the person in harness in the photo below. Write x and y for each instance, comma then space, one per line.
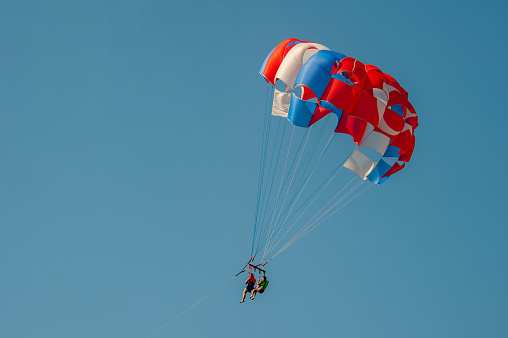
249, 285
262, 285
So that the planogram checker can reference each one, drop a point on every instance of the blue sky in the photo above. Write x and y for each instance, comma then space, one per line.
130, 141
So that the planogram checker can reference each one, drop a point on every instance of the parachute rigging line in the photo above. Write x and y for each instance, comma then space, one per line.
264, 227
323, 185
289, 187
266, 126
274, 228
301, 187
192, 306
268, 226
263, 207
302, 230
307, 160
361, 192
202, 299
314, 224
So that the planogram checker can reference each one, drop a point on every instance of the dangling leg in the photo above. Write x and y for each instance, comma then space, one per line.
254, 293
243, 296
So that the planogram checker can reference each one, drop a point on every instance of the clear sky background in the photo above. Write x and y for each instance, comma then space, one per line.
130, 136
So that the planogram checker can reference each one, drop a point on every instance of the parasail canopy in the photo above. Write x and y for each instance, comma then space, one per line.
309, 83
370, 105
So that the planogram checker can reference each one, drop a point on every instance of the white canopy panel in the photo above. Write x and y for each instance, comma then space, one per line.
294, 60
360, 164
281, 103
377, 141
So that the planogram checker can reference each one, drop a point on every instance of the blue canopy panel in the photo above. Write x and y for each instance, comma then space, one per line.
317, 71
300, 111
329, 106
379, 170
398, 109
293, 43
391, 151
342, 76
